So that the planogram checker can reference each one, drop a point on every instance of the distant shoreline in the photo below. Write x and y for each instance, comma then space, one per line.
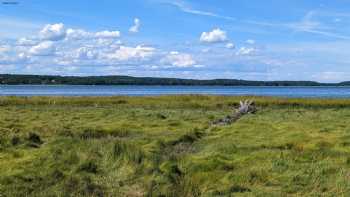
10, 79
126, 85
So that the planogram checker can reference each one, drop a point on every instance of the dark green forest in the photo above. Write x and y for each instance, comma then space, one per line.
9, 79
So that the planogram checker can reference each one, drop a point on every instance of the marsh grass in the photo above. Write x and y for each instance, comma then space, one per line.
166, 146
185, 101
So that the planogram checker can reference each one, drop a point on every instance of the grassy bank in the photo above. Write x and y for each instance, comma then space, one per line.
166, 146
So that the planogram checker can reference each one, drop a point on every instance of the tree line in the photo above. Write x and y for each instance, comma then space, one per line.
10, 79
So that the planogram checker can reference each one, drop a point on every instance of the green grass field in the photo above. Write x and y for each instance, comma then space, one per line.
167, 146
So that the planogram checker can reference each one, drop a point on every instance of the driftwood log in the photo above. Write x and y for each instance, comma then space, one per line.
245, 107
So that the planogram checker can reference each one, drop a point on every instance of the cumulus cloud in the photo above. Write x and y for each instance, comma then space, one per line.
45, 48
179, 59
56, 49
53, 32
78, 34
127, 53
230, 45
108, 34
246, 51
135, 28
57, 32
85, 53
216, 35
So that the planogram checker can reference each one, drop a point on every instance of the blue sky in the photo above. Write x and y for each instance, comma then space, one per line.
254, 40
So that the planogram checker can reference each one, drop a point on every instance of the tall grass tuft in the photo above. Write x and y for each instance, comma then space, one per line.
129, 152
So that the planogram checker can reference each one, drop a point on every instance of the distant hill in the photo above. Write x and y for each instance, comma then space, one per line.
345, 83
128, 80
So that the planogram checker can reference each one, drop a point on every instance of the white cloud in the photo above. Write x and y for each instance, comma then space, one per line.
23, 56
205, 50
127, 53
216, 35
199, 66
331, 76
45, 48
179, 59
82, 53
53, 32
250, 41
135, 28
306, 24
77, 34
80, 34
188, 9
102, 42
246, 51
85, 53
309, 24
230, 45
26, 42
108, 34
7, 59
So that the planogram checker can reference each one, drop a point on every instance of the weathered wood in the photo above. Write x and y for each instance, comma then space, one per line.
245, 107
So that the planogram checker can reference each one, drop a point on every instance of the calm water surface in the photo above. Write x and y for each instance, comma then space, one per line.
88, 90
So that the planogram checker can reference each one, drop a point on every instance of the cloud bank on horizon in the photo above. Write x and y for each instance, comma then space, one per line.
178, 38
